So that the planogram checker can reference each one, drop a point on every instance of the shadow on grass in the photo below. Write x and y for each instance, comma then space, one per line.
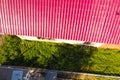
47, 55
72, 58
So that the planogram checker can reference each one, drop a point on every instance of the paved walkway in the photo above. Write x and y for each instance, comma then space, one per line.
39, 74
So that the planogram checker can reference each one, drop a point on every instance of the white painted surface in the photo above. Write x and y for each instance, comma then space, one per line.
60, 41
28, 37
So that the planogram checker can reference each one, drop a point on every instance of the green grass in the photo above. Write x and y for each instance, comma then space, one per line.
107, 61
59, 56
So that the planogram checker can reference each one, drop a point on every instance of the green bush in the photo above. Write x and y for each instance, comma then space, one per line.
59, 56
11, 52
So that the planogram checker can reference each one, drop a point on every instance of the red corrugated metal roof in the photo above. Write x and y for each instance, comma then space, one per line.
84, 20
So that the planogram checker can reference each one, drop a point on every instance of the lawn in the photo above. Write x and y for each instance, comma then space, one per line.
59, 56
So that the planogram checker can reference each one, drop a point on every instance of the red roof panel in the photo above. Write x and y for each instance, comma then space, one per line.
84, 20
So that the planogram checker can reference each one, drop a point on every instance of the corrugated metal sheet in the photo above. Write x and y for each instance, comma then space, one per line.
84, 20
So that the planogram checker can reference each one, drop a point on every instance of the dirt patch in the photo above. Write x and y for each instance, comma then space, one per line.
111, 46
